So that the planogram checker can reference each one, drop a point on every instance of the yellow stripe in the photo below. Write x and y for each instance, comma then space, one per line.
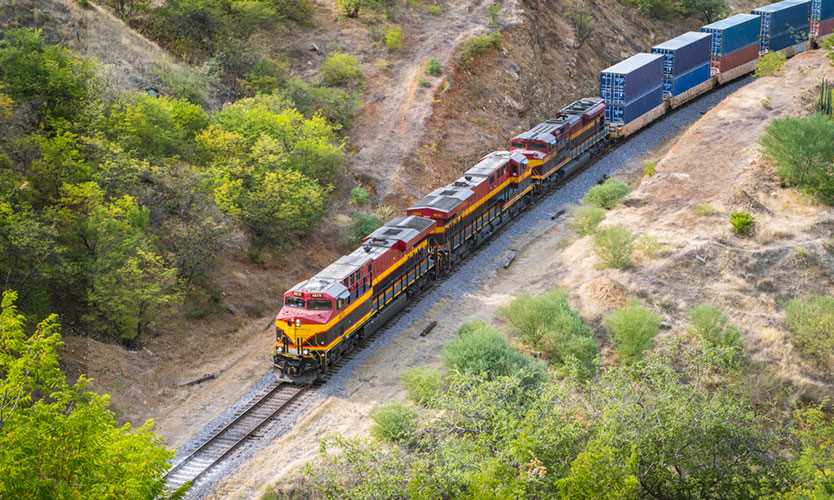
462, 215
555, 169
517, 197
582, 130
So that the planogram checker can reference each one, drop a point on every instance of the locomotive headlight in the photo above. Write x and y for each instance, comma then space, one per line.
297, 322
280, 349
306, 351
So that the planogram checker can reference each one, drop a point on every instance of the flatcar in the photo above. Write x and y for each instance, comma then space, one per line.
326, 315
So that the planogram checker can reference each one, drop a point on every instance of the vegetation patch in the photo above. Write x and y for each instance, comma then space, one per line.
475, 46
393, 37
742, 223
719, 338
423, 385
341, 69
585, 219
393, 422
433, 67
770, 64
606, 195
633, 329
361, 225
614, 246
811, 323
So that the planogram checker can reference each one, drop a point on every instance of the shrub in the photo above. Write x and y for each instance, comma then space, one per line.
337, 105
720, 338
649, 168
583, 26
393, 422
435, 9
424, 83
632, 329
614, 246
481, 349
606, 195
828, 46
393, 37
493, 11
361, 225
340, 69
770, 64
742, 223
359, 196
266, 76
548, 323
186, 83
648, 246
434, 68
811, 322
706, 10
349, 8
422, 384
803, 151
477, 45
585, 219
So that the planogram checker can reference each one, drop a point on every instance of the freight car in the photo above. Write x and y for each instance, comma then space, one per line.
325, 316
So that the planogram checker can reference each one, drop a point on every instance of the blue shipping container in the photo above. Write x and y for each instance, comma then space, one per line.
789, 18
822, 10
684, 52
733, 33
630, 79
686, 81
625, 113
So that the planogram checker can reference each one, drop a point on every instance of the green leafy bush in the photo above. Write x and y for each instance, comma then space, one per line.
481, 349
811, 322
649, 168
586, 218
361, 224
266, 76
548, 323
606, 195
632, 329
393, 422
349, 8
477, 45
770, 64
803, 151
742, 223
707, 11
359, 196
393, 37
423, 385
337, 105
434, 68
720, 338
340, 69
614, 246
183, 82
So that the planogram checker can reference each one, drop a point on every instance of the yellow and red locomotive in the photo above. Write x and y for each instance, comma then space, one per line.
325, 315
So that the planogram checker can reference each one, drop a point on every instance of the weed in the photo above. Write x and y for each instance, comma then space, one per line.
434, 9
649, 168
648, 246
632, 328
422, 384
341, 69
742, 223
719, 338
433, 67
424, 83
349, 8
614, 246
393, 422
393, 37
770, 64
477, 45
359, 196
586, 218
606, 195
811, 323
493, 11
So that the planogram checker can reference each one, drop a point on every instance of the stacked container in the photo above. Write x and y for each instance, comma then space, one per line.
822, 18
784, 24
735, 41
632, 87
686, 62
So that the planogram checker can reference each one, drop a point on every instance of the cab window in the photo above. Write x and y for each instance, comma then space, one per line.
294, 302
319, 305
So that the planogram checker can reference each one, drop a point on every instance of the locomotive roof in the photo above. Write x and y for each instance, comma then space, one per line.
403, 229
445, 199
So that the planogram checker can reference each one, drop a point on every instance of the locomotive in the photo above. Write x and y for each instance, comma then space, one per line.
326, 315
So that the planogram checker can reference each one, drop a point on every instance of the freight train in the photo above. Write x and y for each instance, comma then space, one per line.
326, 315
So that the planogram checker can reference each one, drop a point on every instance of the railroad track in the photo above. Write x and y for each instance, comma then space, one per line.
248, 424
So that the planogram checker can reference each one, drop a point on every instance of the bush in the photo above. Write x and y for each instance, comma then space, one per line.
742, 223
720, 338
585, 219
828, 46
606, 195
648, 246
811, 322
548, 323
337, 105
435, 9
477, 45
649, 168
393, 422
393, 37
361, 225
770, 64
707, 11
266, 76
480, 349
349, 8
434, 68
493, 11
614, 246
422, 384
359, 196
340, 69
632, 329
804, 153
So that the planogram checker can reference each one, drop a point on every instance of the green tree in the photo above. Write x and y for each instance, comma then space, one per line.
601, 471
814, 465
59, 440
707, 11
53, 81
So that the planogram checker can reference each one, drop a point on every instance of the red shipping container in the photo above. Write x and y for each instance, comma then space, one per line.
826, 27
736, 58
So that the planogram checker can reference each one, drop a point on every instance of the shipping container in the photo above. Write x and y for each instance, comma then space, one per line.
784, 24
683, 53
737, 58
626, 112
825, 28
733, 33
631, 79
686, 81
822, 10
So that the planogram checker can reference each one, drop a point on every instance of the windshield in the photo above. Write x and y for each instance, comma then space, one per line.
319, 305
294, 302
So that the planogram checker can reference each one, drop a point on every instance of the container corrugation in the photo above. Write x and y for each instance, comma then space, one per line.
684, 52
733, 33
736, 58
631, 78
686, 81
789, 18
822, 10
624, 113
